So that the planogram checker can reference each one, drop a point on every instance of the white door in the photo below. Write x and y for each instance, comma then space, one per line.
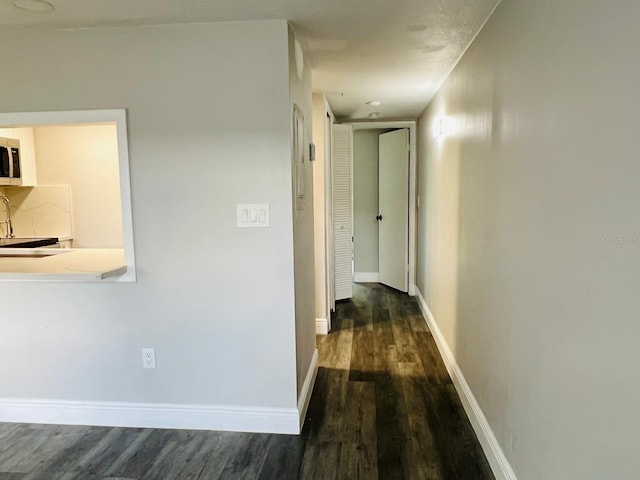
341, 161
393, 209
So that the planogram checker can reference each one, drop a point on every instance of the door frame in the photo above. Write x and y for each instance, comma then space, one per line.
329, 119
413, 130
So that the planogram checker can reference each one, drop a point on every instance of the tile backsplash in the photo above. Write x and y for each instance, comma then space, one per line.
43, 211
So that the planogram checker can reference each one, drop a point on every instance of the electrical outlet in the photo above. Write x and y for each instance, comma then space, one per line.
148, 358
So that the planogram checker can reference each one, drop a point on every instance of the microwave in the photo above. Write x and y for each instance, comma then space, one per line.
10, 168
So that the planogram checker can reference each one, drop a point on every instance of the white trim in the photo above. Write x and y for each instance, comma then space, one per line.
413, 182
322, 326
151, 415
499, 463
365, 277
328, 207
328, 220
307, 389
413, 189
79, 117
164, 415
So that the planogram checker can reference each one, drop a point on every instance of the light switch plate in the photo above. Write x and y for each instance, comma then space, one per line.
253, 215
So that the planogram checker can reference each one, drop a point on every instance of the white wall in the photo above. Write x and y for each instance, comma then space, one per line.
529, 234
303, 218
209, 126
365, 200
85, 157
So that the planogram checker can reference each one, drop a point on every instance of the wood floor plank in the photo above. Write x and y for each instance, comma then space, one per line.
106, 450
335, 401
321, 461
362, 313
336, 353
434, 367
403, 339
358, 456
141, 454
90, 456
184, 457
422, 455
415, 319
67, 463
249, 460
284, 457
362, 356
7, 430
230, 445
390, 440
321, 457
123, 439
11, 476
50, 441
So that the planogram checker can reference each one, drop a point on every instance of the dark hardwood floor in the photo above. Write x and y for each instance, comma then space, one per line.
383, 407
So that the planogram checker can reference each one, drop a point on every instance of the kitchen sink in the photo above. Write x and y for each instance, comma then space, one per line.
27, 242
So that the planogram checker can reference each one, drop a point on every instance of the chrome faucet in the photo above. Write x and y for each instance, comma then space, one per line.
7, 222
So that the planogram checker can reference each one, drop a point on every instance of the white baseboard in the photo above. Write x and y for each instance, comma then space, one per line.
307, 389
151, 415
322, 326
164, 415
499, 463
365, 277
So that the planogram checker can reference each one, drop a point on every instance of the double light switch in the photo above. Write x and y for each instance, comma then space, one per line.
254, 215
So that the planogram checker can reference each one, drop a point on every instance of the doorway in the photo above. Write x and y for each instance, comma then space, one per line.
384, 203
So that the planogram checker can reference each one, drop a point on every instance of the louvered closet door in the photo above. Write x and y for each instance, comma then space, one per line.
341, 155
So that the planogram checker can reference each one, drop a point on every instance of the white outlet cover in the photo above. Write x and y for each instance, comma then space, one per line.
148, 358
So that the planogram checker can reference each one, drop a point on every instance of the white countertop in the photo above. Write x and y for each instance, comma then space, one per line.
73, 264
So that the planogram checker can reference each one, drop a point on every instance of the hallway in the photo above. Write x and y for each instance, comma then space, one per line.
383, 407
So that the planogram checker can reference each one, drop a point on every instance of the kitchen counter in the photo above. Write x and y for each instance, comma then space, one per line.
43, 264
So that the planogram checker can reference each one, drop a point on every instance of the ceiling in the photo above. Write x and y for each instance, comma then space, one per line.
397, 52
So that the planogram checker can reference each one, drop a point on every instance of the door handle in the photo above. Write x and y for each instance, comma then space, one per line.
378, 217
